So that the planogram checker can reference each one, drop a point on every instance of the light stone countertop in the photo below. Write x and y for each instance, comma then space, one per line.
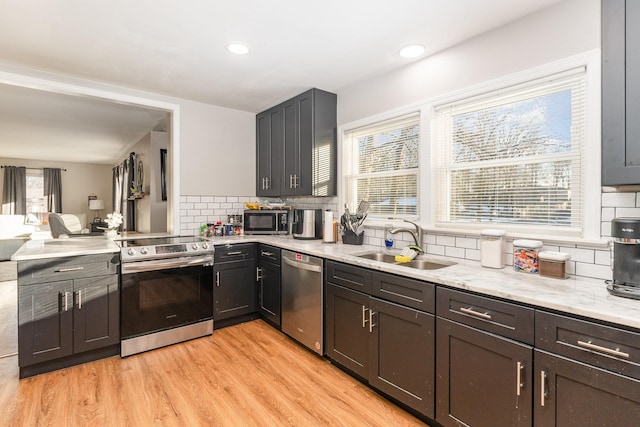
581, 296
58, 248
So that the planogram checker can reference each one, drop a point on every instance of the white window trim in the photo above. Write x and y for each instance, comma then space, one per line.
592, 161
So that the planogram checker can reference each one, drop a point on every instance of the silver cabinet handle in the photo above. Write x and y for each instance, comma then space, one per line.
474, 313
66, 301
543, 387
290, 181
258, 274
364, 316
217, 278
268, 183
234, 253
67, 269
519, 367
80, 300
610, 351
265, 253
297, 181
371, 324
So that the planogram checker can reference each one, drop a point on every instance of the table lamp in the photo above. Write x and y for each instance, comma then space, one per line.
96, 205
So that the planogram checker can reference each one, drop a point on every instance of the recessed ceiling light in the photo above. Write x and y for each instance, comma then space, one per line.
238, 48
412, 51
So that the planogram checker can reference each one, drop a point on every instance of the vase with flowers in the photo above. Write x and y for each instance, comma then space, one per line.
114, 220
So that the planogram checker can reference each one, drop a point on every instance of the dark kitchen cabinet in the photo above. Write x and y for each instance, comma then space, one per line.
68, 311
269, 278
587, 373
388, 345
268, 152
483, 379
235, 275
620, 92
296, 144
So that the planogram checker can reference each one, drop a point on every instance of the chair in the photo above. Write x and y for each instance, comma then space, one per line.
67, 225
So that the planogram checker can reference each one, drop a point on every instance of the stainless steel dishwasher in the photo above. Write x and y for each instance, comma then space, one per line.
302, 299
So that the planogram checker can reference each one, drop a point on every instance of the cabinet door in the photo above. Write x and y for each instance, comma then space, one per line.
347, 329
291, 148
268, 152
96, 317
269, 292
570, 393
620, 92
402, 354
45, 322
234, 292
482, 380
306, 141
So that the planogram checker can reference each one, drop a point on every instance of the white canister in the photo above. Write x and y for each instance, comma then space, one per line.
525, 255
492, 248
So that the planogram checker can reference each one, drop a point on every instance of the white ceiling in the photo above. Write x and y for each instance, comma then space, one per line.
177, 48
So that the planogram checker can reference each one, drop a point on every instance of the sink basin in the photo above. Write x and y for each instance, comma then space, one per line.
379, 256
420, 263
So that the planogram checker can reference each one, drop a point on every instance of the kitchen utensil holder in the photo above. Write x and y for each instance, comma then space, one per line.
351, 238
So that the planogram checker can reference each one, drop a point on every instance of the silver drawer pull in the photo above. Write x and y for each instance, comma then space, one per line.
474, 313
265, 253
543, 387
234, 253
64, 270
612, 352
80, 300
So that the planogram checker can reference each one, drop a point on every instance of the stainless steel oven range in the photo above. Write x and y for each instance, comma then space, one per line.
166, 292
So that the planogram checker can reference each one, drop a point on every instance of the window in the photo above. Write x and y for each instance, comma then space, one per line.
513, 157
36, 201
381, 165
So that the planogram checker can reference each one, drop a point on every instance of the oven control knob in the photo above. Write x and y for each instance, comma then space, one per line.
131, 251
205, 245
144, 251
194, 246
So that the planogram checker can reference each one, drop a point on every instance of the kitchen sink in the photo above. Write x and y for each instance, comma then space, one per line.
420, 262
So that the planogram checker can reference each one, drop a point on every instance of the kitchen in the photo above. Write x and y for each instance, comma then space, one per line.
524, 44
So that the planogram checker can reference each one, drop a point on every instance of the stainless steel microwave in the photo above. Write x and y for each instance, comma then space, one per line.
266, 221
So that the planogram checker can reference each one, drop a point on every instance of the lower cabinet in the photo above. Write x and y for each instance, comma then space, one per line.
571, 393
483, 380
388, 345
269, 284
235, 288
61, 322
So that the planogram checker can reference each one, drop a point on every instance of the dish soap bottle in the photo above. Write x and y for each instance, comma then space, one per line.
388, 237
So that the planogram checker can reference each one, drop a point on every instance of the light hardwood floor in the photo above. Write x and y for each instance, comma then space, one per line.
244, 375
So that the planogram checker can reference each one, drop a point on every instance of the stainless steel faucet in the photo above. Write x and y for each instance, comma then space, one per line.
416, 234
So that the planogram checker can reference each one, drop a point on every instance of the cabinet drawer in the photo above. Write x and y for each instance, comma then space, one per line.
270, 254
498, 317
237, 252
54, 269
408, 292
349, 276
611, 348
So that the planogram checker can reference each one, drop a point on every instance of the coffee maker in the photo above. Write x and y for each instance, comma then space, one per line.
626, 258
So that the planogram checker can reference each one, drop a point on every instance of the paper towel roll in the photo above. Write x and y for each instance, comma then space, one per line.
327, 227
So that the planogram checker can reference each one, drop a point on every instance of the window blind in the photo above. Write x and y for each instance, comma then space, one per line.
513, 156
381, 165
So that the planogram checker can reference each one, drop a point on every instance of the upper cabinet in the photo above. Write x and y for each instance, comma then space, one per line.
620, 92
296, 147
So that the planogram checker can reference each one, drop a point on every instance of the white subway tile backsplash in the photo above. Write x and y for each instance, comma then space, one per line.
593, 270
619, 200
445, 240
585, 262
466, 242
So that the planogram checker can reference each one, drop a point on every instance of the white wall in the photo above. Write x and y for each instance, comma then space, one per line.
78, 182
565, 29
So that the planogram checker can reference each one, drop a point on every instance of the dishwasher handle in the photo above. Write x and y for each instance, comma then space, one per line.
302, 265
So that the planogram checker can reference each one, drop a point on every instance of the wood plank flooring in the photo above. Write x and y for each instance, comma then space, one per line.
244, 375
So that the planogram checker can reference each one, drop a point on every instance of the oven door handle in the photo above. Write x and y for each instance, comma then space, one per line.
165, 264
